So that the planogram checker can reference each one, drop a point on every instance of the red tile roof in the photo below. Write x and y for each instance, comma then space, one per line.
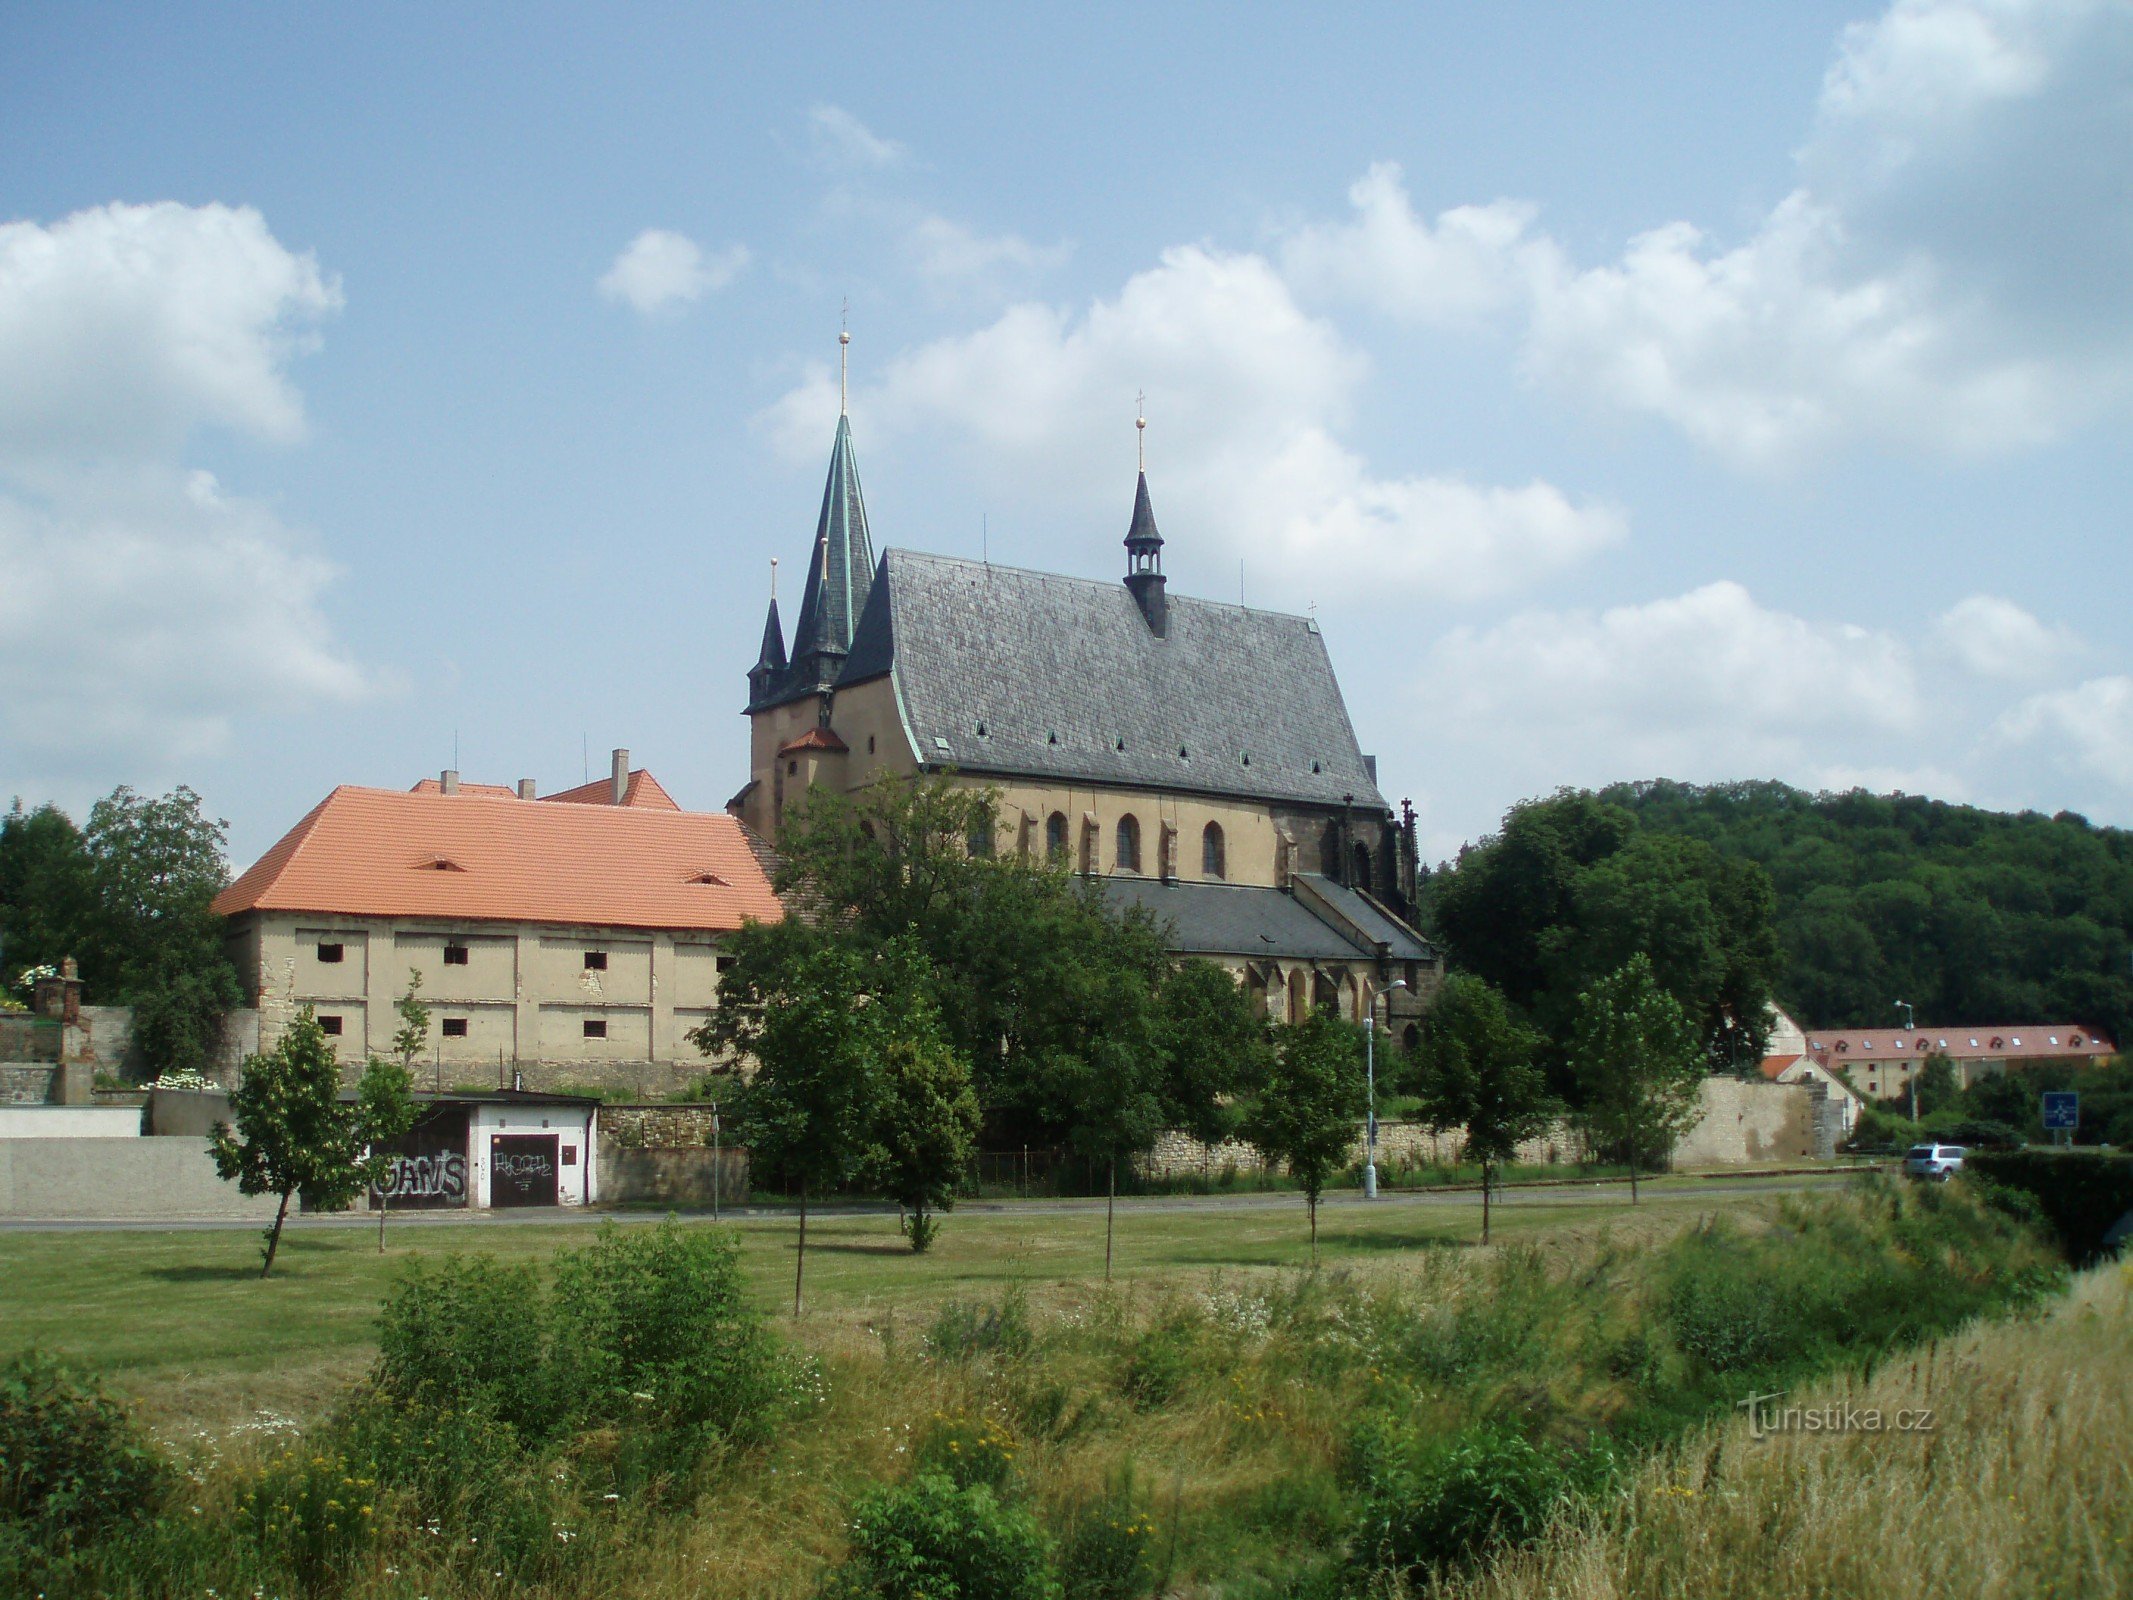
1974, 1042
643, 792
392, 853
1774, 1066
817, 738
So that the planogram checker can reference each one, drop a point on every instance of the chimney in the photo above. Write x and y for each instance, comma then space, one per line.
622, 777
525, 788
448, 781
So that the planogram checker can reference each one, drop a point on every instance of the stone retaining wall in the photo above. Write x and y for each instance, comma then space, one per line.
663, 1154
22, 1085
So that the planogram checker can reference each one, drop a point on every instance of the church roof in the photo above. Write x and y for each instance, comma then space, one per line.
1029, 674
840, 569
1231, 919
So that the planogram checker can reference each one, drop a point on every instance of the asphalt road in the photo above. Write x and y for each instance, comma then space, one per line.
1517, 1195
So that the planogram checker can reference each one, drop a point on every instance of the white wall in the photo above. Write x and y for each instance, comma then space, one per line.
70, 1122
577, 1183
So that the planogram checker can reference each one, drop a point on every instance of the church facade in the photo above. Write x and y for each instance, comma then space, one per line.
1196, 758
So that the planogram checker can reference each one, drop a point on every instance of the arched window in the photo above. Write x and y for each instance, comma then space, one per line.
1362, 866
1329, 852
1351, 1002
980, 840
1325, 995
1129, 844
1299, 997
1213, 862
1055, 836
1410, 1037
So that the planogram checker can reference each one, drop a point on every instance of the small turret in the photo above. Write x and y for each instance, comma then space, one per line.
1144, 552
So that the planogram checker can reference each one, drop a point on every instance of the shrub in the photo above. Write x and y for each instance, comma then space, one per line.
1443, 1501
964, 1331
968, 1451
929, 1540
312, 1511
469, 1332
2082, 1193
73, 1464
1159, 1367
1104, 1554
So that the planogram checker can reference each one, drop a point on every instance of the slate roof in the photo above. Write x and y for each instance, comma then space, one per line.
1070, 685
1231, 919
390, 853
839, 572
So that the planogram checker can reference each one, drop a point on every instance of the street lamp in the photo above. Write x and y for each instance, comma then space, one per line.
1370, 1082
1910, 1025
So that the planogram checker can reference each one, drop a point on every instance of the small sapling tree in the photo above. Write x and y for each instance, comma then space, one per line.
1306, 1115
928, 1125
385, 1100
1475, 1069
1639, 1061
292, 1133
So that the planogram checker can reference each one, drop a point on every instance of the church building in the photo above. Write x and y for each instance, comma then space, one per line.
1195, 757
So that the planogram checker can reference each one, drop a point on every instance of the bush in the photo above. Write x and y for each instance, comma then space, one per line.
1160, 1366
968, 1451
73, 1464
929, 1540
1444, 1501
469, 1332
2083, 1193
312, 1511
1104, 1554
964, 1331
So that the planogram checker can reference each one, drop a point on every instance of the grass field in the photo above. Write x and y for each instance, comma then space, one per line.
181, 1321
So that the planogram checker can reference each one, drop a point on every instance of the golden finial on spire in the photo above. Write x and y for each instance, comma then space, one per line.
1140, 427
773, 580
844, 349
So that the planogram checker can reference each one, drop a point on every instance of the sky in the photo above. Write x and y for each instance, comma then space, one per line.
1707, 391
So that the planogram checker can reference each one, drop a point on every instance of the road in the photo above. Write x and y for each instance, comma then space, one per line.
1517, 1195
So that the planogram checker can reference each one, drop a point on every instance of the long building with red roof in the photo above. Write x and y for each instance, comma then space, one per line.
557, 943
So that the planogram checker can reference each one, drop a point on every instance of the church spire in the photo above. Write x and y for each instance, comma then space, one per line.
1144, 545
840, 568
770, 662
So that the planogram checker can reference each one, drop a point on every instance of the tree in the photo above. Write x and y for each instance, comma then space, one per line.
385, 1099
1936, 1084
1475, 1068
822, 1018
929, 1125
48, 903
1639, 1063
1214, 1047
292, 1133
1306, 1112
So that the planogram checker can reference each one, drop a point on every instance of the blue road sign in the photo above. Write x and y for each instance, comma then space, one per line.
2062, 1110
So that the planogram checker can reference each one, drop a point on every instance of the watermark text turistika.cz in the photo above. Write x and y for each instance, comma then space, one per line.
1768, 1417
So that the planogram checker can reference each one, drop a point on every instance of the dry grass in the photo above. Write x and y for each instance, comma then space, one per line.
2023, 1488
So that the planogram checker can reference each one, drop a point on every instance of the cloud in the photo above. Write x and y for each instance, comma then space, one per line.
948, 252
659, 270
1947, 275
1247, 396
2083, 733
145, 610
841, 139
126, 327
1995, 638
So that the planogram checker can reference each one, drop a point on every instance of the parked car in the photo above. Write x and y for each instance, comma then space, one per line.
1938, 1161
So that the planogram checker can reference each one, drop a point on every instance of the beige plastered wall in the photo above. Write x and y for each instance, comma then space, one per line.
524, 991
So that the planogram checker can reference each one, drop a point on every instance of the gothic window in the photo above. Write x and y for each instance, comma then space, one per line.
1410, 1038
1324, 995
1129, 844
1055, 836
1329, 852
1362, 866
980, 840
1299, 997
1213, 863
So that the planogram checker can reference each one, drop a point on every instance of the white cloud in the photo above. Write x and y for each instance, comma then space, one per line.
1995, 638
1247, 396
1452, 272
2085, 732
1948, 275
949, 252
841, 139
124, 328
145, 610
660, 269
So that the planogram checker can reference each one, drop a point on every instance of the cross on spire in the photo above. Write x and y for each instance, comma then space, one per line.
844, 351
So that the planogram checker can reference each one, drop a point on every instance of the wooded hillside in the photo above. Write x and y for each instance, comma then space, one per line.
1971, 915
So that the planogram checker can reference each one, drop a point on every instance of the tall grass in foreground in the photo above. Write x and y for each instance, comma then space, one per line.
2022, 1488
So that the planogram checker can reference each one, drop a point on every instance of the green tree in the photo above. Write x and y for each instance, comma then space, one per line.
928, 1126
1639, 1063
48, 905
292, 1133
1214, 1046
1475, 1068
157, 865
1937, 1085
1305, 1115
385, 1097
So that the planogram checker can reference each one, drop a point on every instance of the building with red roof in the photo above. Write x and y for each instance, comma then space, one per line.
557, 943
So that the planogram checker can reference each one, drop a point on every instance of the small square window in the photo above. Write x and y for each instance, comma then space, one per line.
596, 961
455, 1027
331, 954
455, 955
330, 1025
570, 1155
725, 963
596, 1027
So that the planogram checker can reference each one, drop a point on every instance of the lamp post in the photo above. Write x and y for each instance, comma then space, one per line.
1370, 1084
1910, 1025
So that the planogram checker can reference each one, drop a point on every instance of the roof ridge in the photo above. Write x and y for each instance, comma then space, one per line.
1106, 584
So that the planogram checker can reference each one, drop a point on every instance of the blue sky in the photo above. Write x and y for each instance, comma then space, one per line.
1706, 391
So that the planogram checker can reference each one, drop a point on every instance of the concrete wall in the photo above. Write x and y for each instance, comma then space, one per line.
1745, 1122
1400, 1144
662, 1154
118, 1180
69, 1122
186, 1113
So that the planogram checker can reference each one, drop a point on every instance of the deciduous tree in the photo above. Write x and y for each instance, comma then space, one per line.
1475, 1068
292, 1136
1306, 1112
1639, 1063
